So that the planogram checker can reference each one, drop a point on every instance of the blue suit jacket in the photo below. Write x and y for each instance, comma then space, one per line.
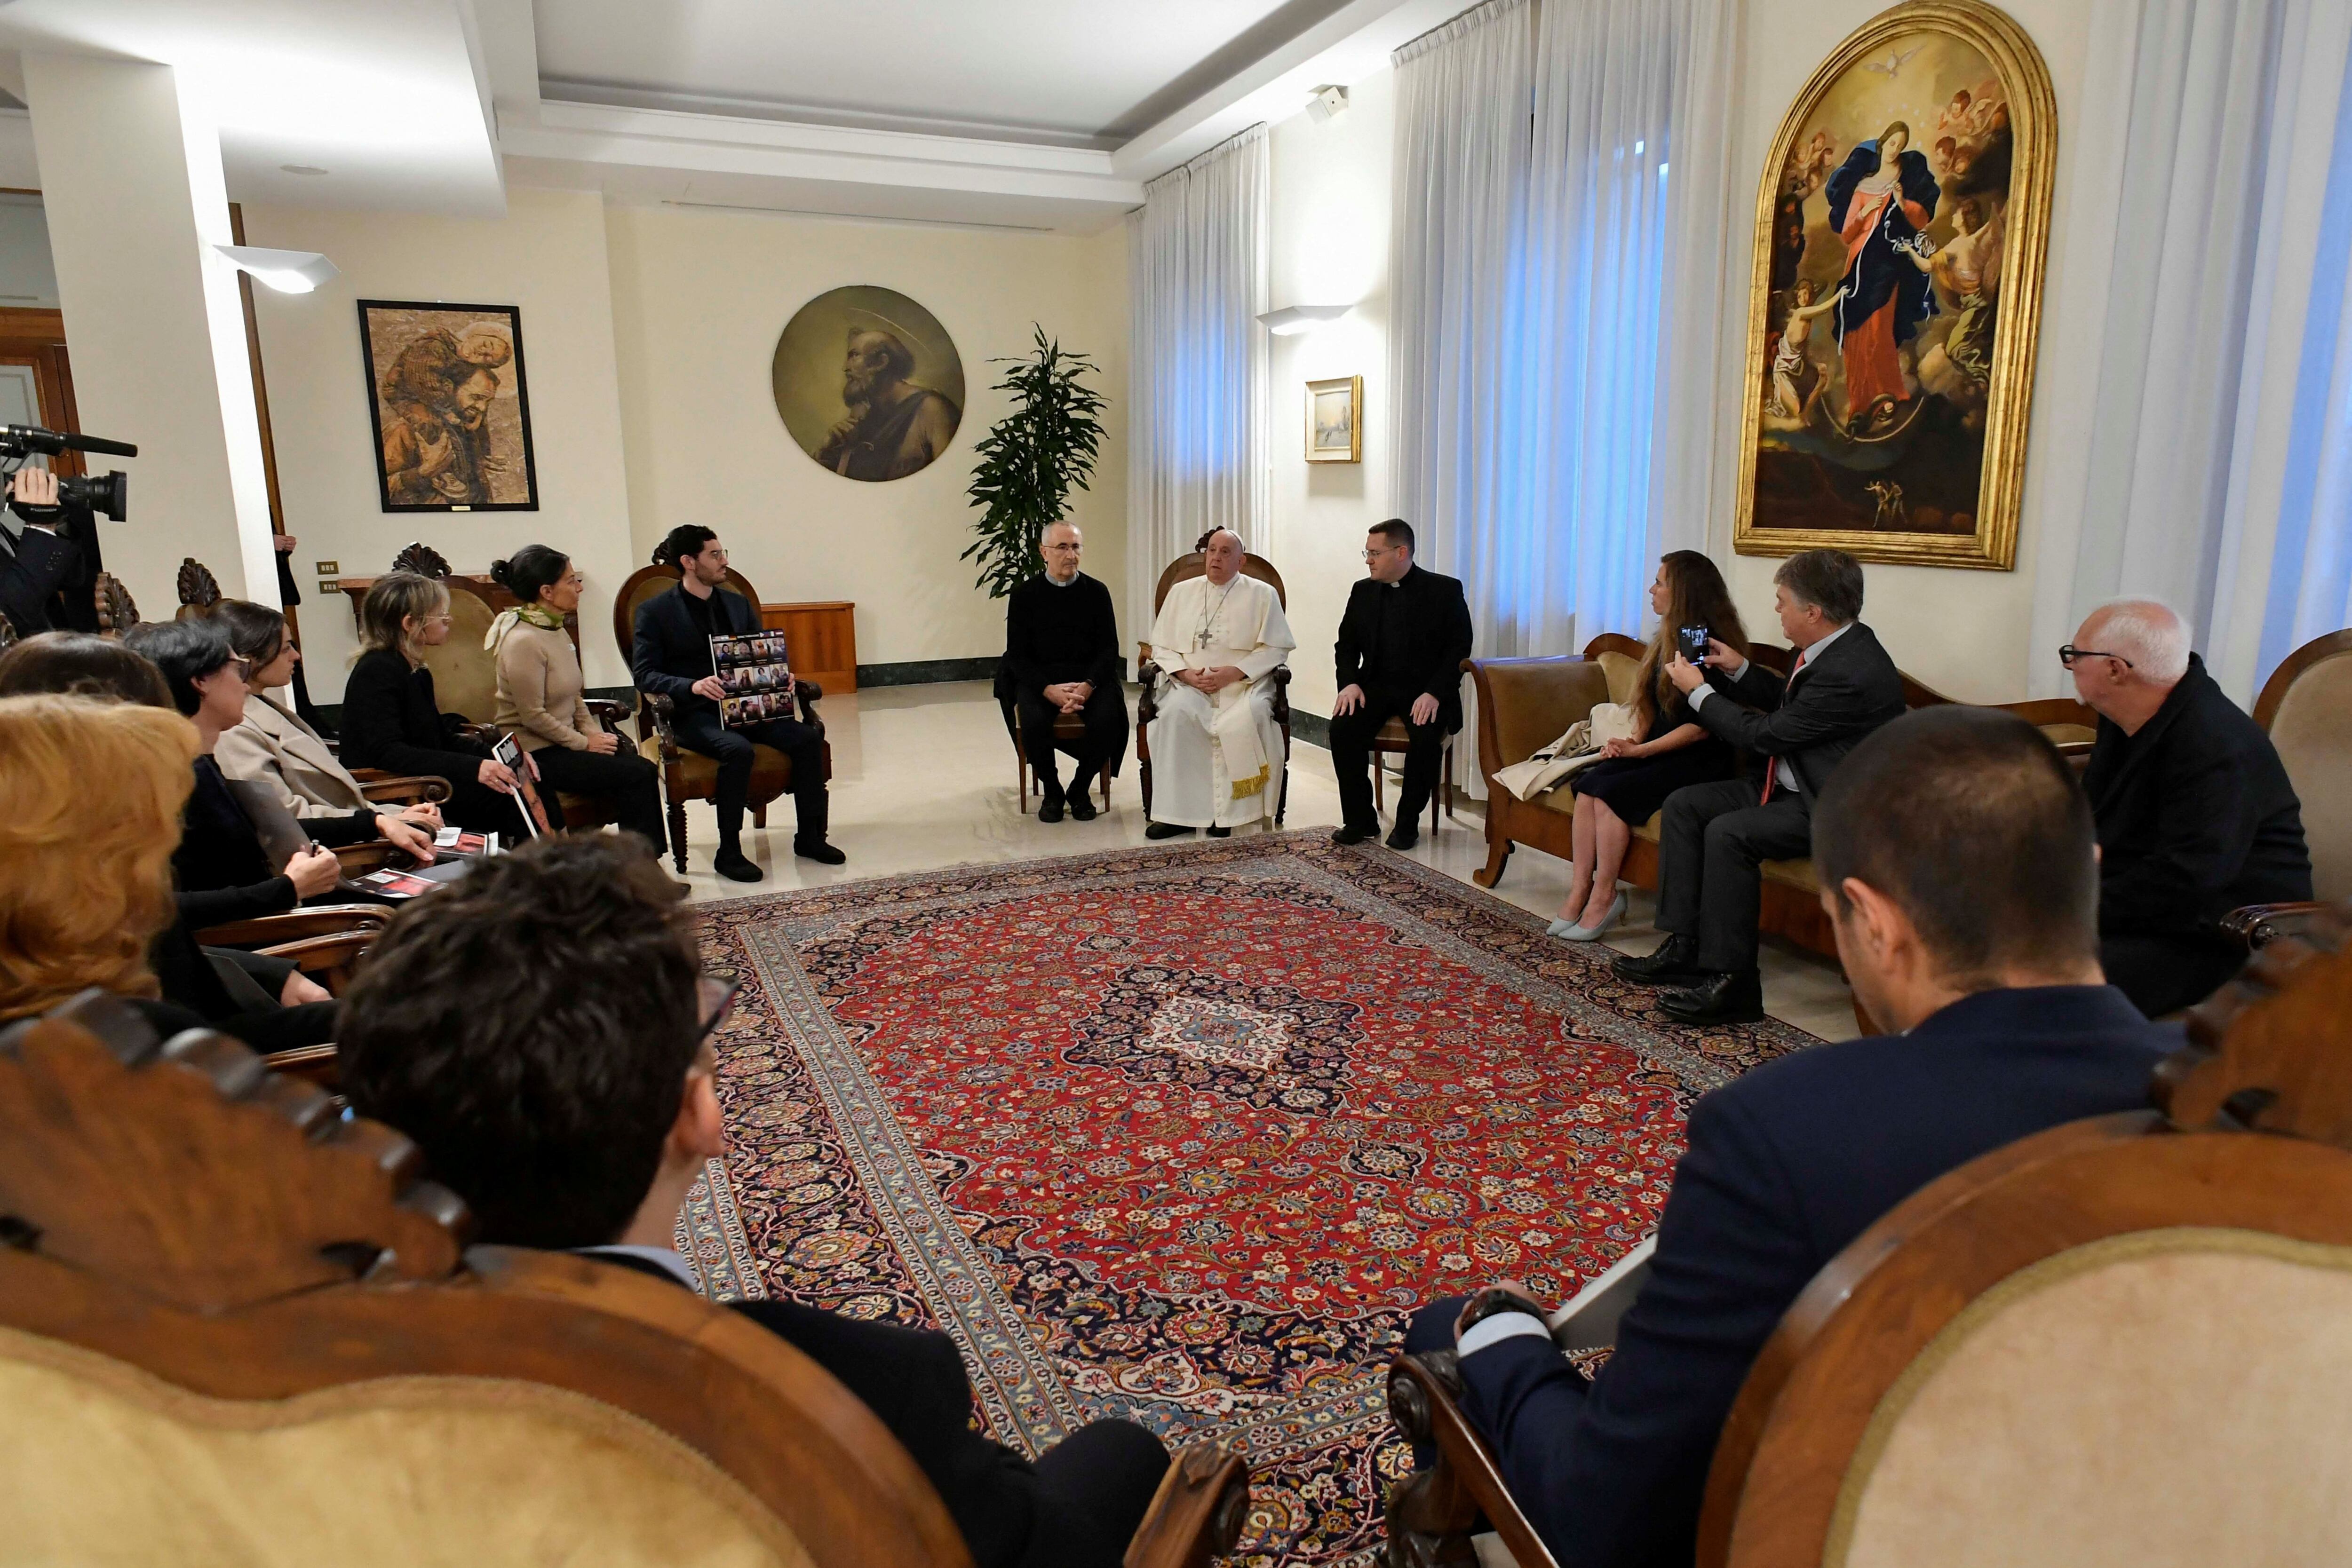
670, 652
1784, 1167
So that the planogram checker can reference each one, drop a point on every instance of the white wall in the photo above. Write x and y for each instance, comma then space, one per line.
28, 280
698, 299
547, 257
1329, 246
1967, 633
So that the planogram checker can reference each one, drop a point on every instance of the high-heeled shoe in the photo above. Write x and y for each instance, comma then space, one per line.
1572, 933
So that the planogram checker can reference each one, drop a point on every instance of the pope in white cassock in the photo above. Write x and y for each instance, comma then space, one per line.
1216, 750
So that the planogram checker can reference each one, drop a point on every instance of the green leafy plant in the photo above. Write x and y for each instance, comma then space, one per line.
1030, 461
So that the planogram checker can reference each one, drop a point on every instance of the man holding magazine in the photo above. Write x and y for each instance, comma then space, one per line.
673, 658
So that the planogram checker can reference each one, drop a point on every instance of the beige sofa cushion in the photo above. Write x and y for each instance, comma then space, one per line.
101, 1464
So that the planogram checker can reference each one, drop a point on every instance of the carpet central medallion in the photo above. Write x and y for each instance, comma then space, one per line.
1263, 1044
1181, 1134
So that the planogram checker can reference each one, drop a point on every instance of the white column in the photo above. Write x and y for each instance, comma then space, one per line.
131, 177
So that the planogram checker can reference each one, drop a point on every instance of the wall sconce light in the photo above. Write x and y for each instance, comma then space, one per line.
1296, 319
286, 271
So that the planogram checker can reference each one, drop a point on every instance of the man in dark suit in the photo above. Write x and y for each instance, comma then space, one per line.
672, 657
1401, 644
1061, 657
1715, 838
539, 1032
2195, 814
1956, 857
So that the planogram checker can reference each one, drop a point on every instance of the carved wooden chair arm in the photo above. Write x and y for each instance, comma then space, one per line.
332, 956
1198, 1512
606, 712
313, 1064
1431, 1514
1147, 675
358, 860
2259, 925
809, 694
480, 733
1280, 676
655, 713
403, 790
296, 925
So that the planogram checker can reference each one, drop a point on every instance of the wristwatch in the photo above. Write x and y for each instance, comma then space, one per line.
1489, 1303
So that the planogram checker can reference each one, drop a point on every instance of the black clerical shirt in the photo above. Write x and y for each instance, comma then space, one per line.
1056, 632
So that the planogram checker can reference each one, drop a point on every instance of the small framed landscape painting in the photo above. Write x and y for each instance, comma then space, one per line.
450, 407
1335, 420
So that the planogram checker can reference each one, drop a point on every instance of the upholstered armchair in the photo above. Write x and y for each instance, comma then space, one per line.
2306, 708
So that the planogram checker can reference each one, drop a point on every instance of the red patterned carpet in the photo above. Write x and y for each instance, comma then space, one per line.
1181, 1133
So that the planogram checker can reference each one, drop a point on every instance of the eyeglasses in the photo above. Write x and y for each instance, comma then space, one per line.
2069, 653
716, 996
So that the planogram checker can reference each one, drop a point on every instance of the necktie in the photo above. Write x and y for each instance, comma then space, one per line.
1772, 764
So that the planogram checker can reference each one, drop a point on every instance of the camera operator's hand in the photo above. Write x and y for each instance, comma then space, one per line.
34, 488
494, 775
314, 871
710, 686
604, 743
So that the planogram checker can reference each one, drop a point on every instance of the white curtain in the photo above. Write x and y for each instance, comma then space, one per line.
2207, 141
1561, 195
1197, 388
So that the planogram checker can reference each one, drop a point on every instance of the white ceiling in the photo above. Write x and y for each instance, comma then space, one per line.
1025, 113
1075, 72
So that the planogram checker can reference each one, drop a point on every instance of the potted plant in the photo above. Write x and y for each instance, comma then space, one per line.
1030, 461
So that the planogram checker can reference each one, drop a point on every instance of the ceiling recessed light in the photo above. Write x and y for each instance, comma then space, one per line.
301, 168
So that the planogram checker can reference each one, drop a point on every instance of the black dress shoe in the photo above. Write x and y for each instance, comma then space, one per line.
1675, 962
1082, 807
1403, 836
1049, 811
1218, 832
817, 850
1164, 830
730, 863
1352, 835
1719, 998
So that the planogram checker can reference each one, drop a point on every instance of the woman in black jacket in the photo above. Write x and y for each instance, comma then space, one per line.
223, 871
391, 721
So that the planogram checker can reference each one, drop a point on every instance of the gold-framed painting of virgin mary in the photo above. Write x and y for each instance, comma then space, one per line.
1901, 228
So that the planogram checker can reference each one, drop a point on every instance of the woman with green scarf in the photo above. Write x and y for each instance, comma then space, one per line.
541, 693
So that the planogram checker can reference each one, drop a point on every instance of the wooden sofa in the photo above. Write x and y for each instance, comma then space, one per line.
1524, 704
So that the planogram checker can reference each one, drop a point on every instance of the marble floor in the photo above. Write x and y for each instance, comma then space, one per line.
923, 777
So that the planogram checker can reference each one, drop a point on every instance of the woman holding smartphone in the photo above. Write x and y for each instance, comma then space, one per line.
1633, 778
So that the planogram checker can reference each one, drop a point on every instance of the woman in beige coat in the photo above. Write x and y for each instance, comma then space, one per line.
273, 746
542, 697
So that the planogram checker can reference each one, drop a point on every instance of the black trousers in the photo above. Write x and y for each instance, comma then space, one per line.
1712, 842
1097, 1482
479, 809
731, 749
1351, 756
1106, 738
629, 786
2165, 973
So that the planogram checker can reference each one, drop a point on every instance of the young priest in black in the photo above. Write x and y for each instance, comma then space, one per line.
540, 1030
1061, 657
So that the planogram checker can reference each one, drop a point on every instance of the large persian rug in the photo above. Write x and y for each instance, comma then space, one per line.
1181, 1134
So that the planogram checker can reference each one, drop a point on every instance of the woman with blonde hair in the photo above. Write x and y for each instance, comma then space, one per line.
1633, 779
391, 719
542, 696
94, 790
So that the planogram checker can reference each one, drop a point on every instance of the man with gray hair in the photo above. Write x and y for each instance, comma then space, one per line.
1062, 657
2195, 812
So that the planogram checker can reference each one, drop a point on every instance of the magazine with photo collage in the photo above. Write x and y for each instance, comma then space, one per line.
453, 851
759, 682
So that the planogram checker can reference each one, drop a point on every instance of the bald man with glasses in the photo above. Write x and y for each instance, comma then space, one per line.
1061, 657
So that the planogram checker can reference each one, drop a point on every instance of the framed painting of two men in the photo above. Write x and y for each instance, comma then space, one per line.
1901, 229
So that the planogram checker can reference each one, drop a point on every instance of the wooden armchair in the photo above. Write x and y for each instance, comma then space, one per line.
1183, 569
689, 775
199, 590
228, 1315
1068, 727
2118, 1340
2306, 707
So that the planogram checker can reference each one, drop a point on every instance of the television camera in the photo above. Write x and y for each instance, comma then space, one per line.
108, 494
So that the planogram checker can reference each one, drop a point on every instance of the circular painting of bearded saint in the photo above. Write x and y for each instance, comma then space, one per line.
869, 382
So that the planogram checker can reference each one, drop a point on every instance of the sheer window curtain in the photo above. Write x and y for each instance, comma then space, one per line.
1197, 392
1545, 444
2210, 128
